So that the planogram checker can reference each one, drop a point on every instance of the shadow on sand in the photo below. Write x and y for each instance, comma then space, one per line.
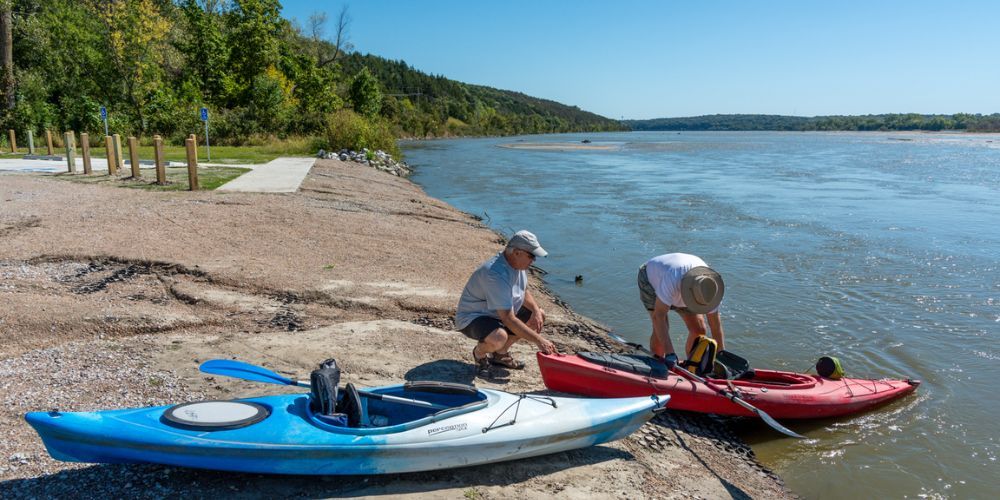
679, 427
152, 481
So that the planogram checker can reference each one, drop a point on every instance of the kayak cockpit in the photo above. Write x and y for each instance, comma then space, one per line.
777, 379
399, 408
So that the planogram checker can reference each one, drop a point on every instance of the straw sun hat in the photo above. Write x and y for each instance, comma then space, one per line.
702, 289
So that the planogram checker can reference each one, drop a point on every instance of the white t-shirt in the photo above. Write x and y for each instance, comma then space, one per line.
665, 273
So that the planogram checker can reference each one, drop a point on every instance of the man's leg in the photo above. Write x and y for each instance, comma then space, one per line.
524, 315
696, 326
496, 340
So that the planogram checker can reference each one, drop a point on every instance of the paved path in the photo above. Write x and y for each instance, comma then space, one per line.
58, 166
281, 175
55, 166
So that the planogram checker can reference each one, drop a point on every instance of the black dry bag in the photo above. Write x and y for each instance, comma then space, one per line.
829, 367
323, 385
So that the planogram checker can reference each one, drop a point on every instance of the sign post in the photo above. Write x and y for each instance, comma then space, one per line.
104, 116
204, 118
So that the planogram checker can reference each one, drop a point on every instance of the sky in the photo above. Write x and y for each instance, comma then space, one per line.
636, 59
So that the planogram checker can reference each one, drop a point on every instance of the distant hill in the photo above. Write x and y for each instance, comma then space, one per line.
421, 104
910, 121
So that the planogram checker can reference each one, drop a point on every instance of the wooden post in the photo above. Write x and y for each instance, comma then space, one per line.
161, 170
13, 141
109, 145
48, 140
68, 139
119, 159
85, 145
31, 142
133, 156
192, 157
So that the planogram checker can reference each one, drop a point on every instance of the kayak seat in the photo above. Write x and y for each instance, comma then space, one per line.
351, 406
632, 363
732, 367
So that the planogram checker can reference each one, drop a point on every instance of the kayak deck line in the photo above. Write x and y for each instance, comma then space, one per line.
517, 406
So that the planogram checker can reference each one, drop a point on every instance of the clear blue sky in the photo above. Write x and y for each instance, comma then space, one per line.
651, 59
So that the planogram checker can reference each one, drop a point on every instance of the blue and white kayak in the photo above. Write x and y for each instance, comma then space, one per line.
283, 434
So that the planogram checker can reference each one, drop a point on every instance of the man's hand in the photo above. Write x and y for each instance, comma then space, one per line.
670, 360
546, 346
537, 320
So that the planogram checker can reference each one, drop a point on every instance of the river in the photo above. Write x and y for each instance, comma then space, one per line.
881, 249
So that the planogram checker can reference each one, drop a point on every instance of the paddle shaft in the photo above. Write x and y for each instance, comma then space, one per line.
730, 395
246, 371
386, 397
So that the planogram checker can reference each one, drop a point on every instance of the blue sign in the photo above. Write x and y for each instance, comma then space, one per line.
204, 114
104, 113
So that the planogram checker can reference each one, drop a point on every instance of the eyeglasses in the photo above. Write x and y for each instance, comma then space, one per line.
529, 254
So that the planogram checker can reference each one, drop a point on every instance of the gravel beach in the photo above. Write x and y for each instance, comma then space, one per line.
110, 298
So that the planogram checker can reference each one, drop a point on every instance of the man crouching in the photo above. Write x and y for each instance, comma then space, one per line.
496, 308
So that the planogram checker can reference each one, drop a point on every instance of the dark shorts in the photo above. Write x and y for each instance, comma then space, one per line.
483, 326
647, 294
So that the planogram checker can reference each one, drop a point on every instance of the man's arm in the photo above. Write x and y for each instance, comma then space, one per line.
660, 343
517, 327
715, 324
537, 319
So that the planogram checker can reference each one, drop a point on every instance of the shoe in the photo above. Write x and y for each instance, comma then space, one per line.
507, 361
483, 368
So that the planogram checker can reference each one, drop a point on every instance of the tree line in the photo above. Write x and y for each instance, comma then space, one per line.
886, 122
154, 63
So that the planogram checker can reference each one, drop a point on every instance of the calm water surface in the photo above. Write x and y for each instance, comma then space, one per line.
880, 249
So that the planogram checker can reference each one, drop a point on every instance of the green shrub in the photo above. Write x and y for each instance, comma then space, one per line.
346, 129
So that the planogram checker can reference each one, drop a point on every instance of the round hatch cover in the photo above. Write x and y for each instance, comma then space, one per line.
216, 415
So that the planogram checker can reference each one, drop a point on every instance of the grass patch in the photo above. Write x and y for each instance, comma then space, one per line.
249, 154
209, 178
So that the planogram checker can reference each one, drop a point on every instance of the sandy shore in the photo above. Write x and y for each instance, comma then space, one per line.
111, 298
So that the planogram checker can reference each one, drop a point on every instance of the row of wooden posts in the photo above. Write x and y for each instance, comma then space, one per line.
115, 160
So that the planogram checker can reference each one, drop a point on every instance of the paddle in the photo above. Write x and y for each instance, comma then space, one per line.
732, 396
246, 371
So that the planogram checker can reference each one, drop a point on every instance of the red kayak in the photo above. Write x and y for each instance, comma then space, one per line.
783, 395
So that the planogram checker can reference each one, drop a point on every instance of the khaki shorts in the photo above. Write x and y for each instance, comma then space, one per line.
647, 294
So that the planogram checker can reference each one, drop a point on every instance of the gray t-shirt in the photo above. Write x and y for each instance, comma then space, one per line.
494, 286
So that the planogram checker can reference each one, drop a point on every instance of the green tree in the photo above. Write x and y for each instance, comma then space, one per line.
365, 94
254, 38
136, 34
204, 47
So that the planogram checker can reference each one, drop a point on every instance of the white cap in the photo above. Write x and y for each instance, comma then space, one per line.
526, 241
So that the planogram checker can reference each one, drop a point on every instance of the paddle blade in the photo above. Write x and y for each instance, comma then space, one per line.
245, 371
769, 420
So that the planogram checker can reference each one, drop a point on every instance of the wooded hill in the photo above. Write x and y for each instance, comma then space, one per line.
154, 63
423, 104
911, 121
